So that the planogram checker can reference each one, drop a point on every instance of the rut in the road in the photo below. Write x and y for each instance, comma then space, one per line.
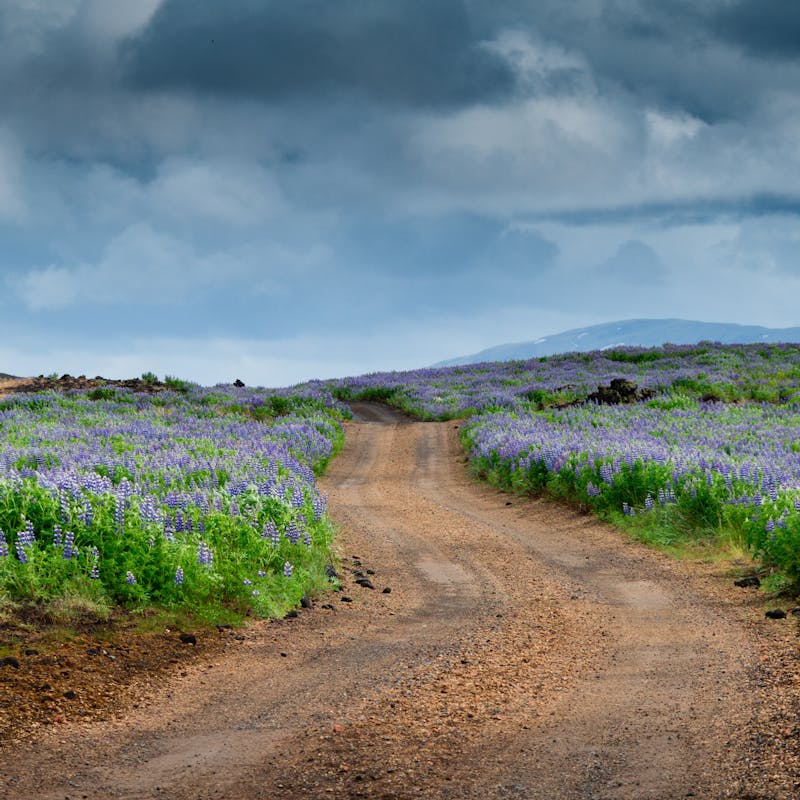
524, 651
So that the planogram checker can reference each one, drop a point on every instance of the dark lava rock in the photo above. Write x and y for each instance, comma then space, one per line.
346, 599
283, 655
9, 661
305, 602
329, 606
366, 583
188, 638
750, 580
387, 590
224, 627
330, 571
620, 391
31, 652
239, 383
370, 572
71, 695
508, 502
775, 613
292, 614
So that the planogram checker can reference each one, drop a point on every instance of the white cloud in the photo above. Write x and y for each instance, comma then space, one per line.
48, 289
139, 266
217, 191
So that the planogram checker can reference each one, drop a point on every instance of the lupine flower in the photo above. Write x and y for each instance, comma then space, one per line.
204, 555
95, 573
270, 531
130, 579
288, 569
69, 541
178, 580
3, 545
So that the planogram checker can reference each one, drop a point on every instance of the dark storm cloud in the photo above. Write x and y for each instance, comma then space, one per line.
420, 53
702, 58
683, 212
765, 28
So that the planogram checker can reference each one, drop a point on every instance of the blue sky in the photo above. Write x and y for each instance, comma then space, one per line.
302, 188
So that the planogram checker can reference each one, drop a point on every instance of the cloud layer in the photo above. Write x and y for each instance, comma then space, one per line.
273, 174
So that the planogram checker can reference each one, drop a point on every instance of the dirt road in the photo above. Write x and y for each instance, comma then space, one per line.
523, 651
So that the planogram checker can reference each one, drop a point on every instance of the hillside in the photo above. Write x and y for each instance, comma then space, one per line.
631, 333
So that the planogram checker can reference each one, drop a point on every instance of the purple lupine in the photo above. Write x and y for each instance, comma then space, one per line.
204, 555
271, 533
95, 573
179, 577
130, 579
288, 569
69, 544
3, 544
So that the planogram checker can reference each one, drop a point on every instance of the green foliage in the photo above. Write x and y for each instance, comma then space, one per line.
177, 384
149, 378
102, 393
642, 357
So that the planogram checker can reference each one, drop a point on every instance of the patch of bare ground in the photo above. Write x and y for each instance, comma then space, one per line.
524, 651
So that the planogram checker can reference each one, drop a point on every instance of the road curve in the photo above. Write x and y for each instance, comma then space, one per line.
523, 651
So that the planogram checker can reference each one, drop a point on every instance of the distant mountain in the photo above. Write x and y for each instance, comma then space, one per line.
630, 333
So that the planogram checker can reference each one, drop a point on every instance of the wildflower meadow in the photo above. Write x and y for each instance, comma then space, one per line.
192, 499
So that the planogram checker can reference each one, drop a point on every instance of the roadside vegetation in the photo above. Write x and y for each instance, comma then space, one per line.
196, 501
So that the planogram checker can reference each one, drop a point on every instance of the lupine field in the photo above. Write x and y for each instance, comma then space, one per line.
202, 498
711, 457
191, 500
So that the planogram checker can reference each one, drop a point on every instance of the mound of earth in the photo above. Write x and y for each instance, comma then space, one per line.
13, 385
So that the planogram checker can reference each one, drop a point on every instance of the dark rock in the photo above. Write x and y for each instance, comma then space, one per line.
795, 612
387, 590
224, 627
366, 583
283, 655
508, 502
9, 661
188, 638
305, 602
620, 391
775, 613
329, 606
750, 580
70, 694
238, 383
346, 599
293, 613
330, 571
31, 652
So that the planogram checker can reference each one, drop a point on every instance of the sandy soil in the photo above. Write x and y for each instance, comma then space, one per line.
524, 651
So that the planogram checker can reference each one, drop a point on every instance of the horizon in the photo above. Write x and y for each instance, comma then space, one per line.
279, 192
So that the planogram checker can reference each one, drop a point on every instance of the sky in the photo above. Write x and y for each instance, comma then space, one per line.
278, 190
